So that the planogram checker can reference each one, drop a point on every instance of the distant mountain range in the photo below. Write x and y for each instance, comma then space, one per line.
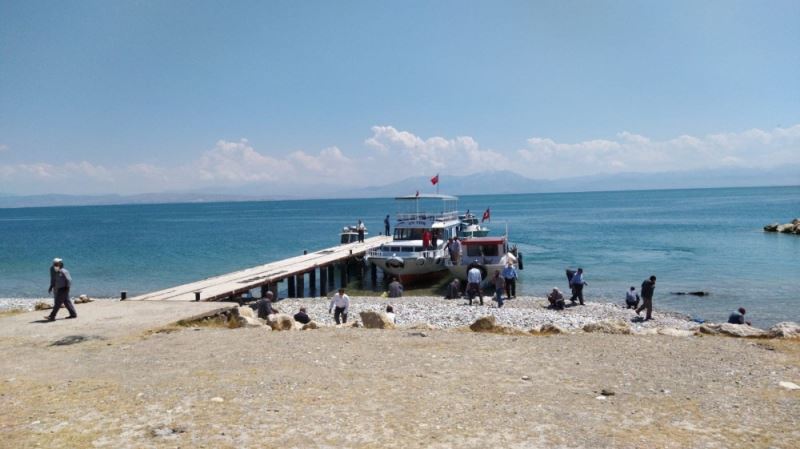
490, 182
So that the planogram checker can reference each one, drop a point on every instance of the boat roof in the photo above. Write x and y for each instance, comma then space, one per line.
427, 196
482, 240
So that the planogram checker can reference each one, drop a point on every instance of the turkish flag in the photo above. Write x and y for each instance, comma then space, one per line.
486, 215
435, 179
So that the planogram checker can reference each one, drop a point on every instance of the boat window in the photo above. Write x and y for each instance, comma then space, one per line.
408, 234
473, 250
490, 250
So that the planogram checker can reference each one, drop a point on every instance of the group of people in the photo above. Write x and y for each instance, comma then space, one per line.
503, 282
339, 307
632, 299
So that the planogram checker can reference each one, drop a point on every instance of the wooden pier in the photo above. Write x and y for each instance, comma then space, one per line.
266, 277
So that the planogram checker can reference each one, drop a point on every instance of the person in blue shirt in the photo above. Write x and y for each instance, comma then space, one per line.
510, 275
474, 279
737, 317
577, 283
632, 299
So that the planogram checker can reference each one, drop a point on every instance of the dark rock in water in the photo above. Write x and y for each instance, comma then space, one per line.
788, 228
695, 293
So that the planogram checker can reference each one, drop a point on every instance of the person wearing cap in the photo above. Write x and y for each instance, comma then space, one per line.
339, 306
737, 317
632, 299
556, 299
648, 288
60, 283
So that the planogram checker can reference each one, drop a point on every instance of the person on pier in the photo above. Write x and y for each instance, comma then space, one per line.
361, 229
339, 306
386, 224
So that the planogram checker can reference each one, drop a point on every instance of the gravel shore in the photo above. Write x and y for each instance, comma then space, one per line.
524, 312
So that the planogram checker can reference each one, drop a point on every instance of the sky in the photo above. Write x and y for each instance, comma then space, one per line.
147, 96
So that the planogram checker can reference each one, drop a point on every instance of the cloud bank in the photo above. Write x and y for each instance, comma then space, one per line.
390, 154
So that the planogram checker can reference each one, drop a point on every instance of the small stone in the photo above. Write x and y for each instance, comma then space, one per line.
602, 398
607, 392
789, 385
217, 399
526, 377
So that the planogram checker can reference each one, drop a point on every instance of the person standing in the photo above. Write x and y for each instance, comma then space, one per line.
60, 283
632, 299
395, 288
648, 288
386, 224
577, 283
426, 239
361, 228
510, 276
499, 287
474, 279
339, 306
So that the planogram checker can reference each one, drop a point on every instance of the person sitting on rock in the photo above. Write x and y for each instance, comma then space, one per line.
632, 299
737, 317
395, 288
264, 306
390, 314
556, 299
302, 317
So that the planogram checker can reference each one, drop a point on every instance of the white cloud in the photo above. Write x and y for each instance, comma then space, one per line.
461, 154
636, 153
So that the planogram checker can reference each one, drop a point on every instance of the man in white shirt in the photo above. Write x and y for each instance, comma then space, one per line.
474, 283
339, 306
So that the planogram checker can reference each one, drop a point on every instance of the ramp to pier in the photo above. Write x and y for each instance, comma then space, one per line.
231, 284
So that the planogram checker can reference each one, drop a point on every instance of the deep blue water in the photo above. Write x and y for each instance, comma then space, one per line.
707, 239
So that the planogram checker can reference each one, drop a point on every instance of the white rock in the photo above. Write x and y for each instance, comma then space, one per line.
217, 399
789, 385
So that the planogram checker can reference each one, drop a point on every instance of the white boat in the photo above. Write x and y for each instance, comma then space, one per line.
405, 256
349, 234
489, 254
471, 227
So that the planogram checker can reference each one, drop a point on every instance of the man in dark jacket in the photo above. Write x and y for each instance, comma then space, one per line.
648, 288
264, 306
60, 283
302, 317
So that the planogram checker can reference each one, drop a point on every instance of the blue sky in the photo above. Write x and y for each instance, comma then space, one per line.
99, 97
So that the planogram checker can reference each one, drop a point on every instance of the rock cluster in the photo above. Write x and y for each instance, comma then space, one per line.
788, 228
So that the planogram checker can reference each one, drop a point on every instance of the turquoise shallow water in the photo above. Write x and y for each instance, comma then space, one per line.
708, 239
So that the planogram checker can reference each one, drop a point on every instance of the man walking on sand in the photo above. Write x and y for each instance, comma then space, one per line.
577, 283
648, 288
339, 306
60, 283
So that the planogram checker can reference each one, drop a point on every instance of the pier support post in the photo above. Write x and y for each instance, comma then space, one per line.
323, 281
373, 275
300, 285
312, 283
197, 296
290, 287
264, 289
331, 276
343, 274
274, 289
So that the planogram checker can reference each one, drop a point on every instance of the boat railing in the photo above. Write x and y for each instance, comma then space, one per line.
424, 216
427, 254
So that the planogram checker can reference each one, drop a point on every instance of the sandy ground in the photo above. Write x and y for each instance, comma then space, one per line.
354, 388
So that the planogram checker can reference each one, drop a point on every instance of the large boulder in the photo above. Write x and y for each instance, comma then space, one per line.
672, 332
310, 325
548, 329
733, 330
280, 322
786, 228
786, 329
608, 327
41, 305
771, 227
246, 311
484, 324
376, 320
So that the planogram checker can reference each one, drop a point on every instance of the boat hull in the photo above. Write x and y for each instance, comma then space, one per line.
409, 268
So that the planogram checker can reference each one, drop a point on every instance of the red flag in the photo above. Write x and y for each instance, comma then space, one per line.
417, 193
486, 215
435, 179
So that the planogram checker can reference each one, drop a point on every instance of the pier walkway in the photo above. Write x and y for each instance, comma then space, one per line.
266, 277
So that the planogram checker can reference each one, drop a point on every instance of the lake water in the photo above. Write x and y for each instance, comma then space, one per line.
708, 239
